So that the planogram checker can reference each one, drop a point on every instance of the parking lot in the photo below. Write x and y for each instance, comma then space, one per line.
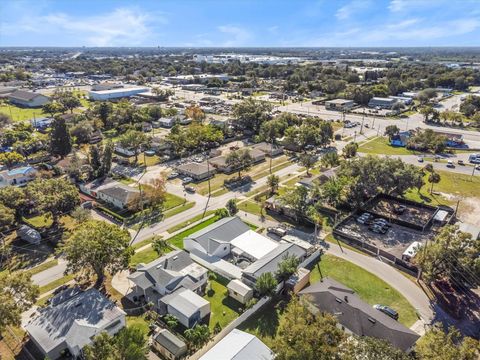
395, 240
391, 209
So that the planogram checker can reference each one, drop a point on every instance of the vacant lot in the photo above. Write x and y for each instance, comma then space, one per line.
380, 146
21, 114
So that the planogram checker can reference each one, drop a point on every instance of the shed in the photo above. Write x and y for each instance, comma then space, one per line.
299, 280
411, 251
239, 291
168, 345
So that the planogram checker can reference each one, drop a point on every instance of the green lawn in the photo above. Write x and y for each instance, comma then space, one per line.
172, 200
223, 309
144, 256
42, 267
179, 209
40, 221
56, 283
368, 287
460, 185
177, 240
380, 146
21, 114
190, 221
139, 321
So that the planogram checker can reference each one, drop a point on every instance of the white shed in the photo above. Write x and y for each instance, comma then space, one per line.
239, 291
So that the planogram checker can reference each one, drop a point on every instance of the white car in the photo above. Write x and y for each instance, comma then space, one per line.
420, 159
187, 180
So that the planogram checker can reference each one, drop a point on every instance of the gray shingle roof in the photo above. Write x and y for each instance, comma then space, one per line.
170, 342
121, 192
224, 230
24, 95
356, 315
195, 168
73, 317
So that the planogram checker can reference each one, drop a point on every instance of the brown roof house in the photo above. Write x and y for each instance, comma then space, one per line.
28, 98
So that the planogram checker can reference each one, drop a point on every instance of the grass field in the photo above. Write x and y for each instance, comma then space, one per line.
172, 200
21, 114
145, 256
179, 209
380, 146
368, 287
190, 221
223, 309
40, 221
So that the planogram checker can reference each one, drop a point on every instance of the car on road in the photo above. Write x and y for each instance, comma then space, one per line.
190, 189
386, 310
420, 159
460, 162
450, 164
187, 180
277, 231
172, 175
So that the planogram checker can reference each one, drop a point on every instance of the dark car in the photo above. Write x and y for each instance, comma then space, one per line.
190, 189
386, 310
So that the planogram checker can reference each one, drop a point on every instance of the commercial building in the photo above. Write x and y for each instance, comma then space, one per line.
28, 99
116, 93
383, 103
339, 104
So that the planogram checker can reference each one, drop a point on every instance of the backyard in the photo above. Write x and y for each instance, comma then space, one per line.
223, 309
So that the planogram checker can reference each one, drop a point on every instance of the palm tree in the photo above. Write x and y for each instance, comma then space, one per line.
317, 219
273, 181
433, 178
160, 246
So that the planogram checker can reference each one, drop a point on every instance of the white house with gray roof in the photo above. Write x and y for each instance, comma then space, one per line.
165, 275
188, 307
28, 98
72, 320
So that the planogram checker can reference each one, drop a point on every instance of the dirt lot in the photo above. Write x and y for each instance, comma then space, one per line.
395, 241
413, 214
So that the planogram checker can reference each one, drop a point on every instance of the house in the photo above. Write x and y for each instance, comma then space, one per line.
42, 123
165, 275
220, 162
18, 177
221, 123
268, 149
91, 188
5, 91
239, 345
116, 93
188, 307
239, 291
231, 248
401, 139
356, 316
28, 98
410, 94
71, 321
197, 171
339, 104
168, 345
383, 103
166, 122
118, 195
452, 139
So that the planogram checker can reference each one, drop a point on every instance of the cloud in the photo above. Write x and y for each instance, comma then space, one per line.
397, 5
273, 29
237, 36
351, 8
120, 27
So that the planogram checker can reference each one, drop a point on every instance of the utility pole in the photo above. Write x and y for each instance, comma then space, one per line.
363, 119
473, 171
355, 136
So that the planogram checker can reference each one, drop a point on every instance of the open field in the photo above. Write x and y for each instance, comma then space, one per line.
21, 114
380, 146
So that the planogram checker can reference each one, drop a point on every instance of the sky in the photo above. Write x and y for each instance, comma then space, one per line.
238, 23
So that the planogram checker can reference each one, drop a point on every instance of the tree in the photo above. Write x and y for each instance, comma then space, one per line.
4, 120
269, 131
221, 213
330, 159
96, 247
10, 158
297, 199
316, 217
133, 140
95, 160
302, 335
453, 255
369, 348
55, 196
250, 114
427, 111
160, 246
104, 110
195, 113
81, 215
433, 178
130, 343
171, 321
350, 150
425, 95
266, 284
7, 217
449, 346
287, 267
14, 198
53, 108
308, 161
239, 160
231, 207
17, 294
273, 182
82, 132
60, 141
69, 102
197, 336
391, 131
107, 159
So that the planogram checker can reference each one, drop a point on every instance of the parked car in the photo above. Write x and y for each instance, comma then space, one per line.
277, 231
190, 189
400, 209
172, 175
386, 310
420, 159
362, 219
381, 221
187, 180
460, 162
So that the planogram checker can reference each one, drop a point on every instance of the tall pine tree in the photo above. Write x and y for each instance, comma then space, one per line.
107, 159
96, 161
60, 141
